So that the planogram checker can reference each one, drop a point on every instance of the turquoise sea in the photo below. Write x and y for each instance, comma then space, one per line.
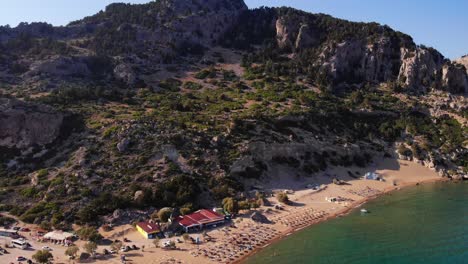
422, 224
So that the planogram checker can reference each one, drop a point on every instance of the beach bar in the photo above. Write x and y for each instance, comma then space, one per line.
200, 219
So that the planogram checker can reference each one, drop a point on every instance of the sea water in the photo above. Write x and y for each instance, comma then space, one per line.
421, 224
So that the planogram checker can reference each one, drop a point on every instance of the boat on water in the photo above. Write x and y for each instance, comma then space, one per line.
364, 211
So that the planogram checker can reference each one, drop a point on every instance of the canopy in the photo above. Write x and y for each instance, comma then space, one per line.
58, 235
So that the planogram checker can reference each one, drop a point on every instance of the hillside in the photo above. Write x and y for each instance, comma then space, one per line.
179, 103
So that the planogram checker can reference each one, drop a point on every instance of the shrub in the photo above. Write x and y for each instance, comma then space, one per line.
282, 197
42, 256
164, 214
192, 86
72, 251
230, 205
89, 234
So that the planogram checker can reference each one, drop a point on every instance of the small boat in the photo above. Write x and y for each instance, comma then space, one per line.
364, 211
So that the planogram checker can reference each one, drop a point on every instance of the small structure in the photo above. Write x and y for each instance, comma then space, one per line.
64, 238
200, 219
58, 235
148, 230
372, 176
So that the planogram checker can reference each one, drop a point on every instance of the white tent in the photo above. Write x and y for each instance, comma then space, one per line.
58, 235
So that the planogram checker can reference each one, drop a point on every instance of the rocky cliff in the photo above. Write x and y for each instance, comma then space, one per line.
382, 56
25, 125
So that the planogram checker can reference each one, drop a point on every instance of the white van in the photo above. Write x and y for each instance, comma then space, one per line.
20, 243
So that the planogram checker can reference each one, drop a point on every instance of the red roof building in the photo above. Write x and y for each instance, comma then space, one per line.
148, 230
200, 219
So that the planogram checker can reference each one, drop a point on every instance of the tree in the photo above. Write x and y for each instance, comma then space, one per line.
186, 237
42, 256
230, 205
244, 205
282, 197
90, 248
72, 251
89, 234
164, 214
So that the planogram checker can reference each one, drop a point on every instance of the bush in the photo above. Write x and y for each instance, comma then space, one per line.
42, 256
192, 86
282, 197
164, 214
72, 251
230, 205
89, 234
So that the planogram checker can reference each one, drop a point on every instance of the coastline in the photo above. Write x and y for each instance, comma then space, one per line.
343, 212
307, 208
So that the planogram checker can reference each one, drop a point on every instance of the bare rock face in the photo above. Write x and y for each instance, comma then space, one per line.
293, 35
454, 79
305, 38
463, 61
285, 34
60, 67
24, 125
124, 72
419, 68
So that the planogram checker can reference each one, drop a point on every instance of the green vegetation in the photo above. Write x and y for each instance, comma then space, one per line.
164, 214
282, 197
42, 256
89, 234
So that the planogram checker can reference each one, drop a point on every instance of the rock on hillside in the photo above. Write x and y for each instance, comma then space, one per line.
24, 125
463, 61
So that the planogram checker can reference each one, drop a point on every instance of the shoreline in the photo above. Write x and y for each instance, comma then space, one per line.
343, 212
246, 237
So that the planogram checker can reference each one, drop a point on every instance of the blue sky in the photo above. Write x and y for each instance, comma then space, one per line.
440, 24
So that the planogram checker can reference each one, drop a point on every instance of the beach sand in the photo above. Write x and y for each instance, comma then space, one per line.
233, 244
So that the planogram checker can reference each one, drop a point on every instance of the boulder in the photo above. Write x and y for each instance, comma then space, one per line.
139, 196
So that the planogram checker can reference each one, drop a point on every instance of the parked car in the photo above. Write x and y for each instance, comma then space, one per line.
20, 258
16, 228
25, 229
123, 249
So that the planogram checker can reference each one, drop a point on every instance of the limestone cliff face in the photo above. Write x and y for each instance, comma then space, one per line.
371, 59
463, 61
357, 61
24, 125
414, 70
294, 35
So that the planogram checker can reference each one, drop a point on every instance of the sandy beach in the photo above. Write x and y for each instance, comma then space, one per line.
232, 244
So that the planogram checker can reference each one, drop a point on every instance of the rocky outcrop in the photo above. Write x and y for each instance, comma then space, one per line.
59, 67
463, 61
454, 78
293, 35
357, 61
418, 70
24, 125
124, 73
